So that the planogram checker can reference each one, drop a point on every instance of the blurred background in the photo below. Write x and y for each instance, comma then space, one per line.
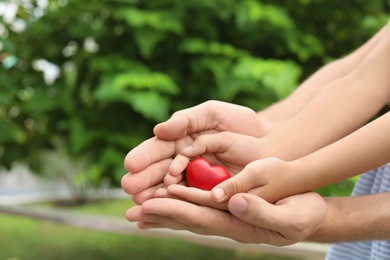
83, 82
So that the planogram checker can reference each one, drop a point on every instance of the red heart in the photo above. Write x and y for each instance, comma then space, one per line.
202, 175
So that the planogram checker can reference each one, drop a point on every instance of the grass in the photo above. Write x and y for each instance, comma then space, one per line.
28, 239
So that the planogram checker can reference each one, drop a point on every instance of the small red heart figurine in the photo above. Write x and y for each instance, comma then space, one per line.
202, 175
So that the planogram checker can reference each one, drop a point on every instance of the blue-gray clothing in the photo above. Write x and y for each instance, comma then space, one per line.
374, 181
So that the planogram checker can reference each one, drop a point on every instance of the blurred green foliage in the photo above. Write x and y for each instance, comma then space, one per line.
124, 65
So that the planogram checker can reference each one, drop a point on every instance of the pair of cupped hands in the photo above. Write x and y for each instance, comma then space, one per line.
258, 204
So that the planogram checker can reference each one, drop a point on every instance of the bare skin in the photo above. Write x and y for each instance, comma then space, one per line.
361, 82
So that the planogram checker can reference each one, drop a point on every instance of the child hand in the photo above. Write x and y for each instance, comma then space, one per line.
271, 179
233, 151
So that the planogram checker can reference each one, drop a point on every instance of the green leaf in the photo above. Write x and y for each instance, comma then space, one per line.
200, 46
150, 104
38, 102
219, 67
147, 39
252, 12
158, 20
145, 80
305, 46
80, 136
280, 76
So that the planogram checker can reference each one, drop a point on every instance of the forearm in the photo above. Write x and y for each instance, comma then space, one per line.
363, 150
338, 109
317, 127
287, 108
355, 218
280, 112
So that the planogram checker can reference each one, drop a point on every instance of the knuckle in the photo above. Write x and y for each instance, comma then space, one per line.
237, 186
211, 103
252, 169
299, 229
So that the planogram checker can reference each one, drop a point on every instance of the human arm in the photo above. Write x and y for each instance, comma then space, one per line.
338, 108
285, 109
273, 178
282, 111
355, 218
148, 163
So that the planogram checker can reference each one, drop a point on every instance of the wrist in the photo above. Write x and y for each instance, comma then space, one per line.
327, 229
267, 121
301, 180
274, 145
354, 218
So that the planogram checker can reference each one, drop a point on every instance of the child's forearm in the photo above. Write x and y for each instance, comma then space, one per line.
363, 150
355, 218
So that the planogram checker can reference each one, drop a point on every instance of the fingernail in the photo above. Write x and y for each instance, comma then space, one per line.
219, 194
238, 206
187, 149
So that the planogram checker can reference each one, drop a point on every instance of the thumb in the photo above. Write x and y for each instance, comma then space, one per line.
184, 122
210, 143
172, 129
210, 115
250, 177
256, 211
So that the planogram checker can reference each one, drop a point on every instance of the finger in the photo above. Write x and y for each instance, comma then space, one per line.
177, 214
164, 193
169, 179
147, 153
248, 178
258, 212
154, 174
235, 148
178, 165
270, 193
176, 170
146, 194
148, 225
134, 214
210, 115
254, 210
181, 215
158, 191
184, 122
144, 221
210, 143
293, 219
196, 196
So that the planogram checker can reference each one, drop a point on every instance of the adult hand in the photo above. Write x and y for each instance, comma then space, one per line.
148, 163
251, 219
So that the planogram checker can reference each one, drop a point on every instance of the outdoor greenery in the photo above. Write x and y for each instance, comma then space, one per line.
88, 80
23, 238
